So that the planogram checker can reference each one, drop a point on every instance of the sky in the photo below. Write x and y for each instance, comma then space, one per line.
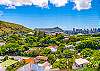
66, 14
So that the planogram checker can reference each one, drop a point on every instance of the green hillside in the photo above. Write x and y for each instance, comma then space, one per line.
10, 28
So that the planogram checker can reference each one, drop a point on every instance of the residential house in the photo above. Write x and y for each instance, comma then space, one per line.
2, 43
44, 66
70, 47
31, 33
66, 38
29, 60
47, 66
33, 65
18, 58
79, 63
38, 58
53, 48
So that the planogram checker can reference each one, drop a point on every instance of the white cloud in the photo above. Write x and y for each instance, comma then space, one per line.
59, 3
79, 4
5, 2
22, 2
40, 3
82, 4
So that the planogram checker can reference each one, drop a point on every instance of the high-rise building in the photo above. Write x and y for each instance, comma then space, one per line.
98, 29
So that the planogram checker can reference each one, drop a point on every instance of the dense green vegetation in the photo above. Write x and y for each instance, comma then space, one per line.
33, 45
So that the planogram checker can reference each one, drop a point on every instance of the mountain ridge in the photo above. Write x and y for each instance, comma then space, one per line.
10, 28
55, 29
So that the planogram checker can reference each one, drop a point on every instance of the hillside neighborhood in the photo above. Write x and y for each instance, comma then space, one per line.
36, 50
30, 63
49, 35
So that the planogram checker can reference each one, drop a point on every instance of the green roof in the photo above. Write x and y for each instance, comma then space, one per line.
8, 63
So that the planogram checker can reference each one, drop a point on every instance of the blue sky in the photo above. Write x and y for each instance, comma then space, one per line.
64, 17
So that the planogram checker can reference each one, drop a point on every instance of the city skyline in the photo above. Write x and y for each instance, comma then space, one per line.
65, 14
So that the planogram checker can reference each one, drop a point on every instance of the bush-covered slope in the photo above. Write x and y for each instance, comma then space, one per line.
10, 28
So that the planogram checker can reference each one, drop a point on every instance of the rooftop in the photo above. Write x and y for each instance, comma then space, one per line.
2, 43
81, 61
52, 46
